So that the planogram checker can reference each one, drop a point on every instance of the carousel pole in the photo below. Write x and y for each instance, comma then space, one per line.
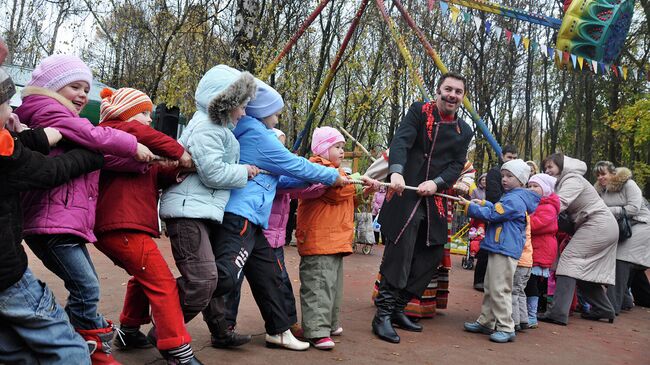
330, 76
292, 41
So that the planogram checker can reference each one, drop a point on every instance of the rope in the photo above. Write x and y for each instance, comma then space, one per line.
385, 184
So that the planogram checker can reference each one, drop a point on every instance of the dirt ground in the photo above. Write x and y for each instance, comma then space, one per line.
443, 341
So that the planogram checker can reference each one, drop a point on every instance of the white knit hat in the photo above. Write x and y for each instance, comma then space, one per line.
519, 168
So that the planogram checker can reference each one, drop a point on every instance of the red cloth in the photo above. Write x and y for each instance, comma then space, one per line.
152, 285
543, 227
130, 200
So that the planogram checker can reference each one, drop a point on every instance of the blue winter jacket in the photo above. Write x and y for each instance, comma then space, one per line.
259, 146
507, 219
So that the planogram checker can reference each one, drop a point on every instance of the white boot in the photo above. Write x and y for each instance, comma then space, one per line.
286, 340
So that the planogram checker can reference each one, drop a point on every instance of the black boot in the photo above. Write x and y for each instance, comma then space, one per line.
224, 336
381, 324
401, 320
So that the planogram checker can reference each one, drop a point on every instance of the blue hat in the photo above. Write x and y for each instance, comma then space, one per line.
266, 103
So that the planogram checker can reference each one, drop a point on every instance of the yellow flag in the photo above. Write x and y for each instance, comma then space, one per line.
580, 60
455, 12
526, 43
624, 72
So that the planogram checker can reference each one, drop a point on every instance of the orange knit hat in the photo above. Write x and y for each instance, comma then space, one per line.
123, 103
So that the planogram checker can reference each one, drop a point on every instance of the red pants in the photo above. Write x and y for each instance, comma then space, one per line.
152, 285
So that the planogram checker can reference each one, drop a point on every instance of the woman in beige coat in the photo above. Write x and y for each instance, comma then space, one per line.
589, 259
618, 191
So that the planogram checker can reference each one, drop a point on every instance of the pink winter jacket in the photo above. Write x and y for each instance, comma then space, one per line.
276, 232
70, 208
378, 201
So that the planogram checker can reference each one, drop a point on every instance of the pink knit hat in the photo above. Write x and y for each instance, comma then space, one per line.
547, 182
323, 138
57, 71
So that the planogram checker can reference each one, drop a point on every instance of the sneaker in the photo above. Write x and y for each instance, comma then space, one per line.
131, 340
337, 332
476, 327
322, 343
532, 325
502, 337
286, 340
479, 287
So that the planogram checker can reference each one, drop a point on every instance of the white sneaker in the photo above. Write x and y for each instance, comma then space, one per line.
286, 340
337, 332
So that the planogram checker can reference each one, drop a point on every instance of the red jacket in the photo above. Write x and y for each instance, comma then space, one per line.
130, 200
543, 225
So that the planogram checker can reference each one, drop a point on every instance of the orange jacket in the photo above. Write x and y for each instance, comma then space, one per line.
526, 259
325, 225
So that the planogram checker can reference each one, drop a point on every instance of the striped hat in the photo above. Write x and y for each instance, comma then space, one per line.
7, 88
123, 104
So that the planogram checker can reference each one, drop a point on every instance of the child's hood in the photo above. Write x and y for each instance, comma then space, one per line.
552, 200
230, 83
528, 197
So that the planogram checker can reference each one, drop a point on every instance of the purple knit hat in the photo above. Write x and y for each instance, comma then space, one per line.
324, 138
57, 71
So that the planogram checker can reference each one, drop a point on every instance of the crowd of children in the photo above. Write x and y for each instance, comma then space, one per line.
226, 188
216, 205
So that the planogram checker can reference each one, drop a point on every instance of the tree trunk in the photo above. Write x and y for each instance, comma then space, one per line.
245, 39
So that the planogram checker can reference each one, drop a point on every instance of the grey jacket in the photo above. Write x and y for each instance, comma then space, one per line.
623, 192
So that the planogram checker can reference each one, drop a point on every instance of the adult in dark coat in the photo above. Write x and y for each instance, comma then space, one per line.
428, 151
493, 192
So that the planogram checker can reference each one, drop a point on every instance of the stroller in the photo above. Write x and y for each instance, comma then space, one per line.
364, 234
476, 235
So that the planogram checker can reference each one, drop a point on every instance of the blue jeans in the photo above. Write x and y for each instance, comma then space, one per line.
34, 329
67, 257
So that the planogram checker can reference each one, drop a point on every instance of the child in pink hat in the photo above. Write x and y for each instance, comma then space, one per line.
325, 232
59, 222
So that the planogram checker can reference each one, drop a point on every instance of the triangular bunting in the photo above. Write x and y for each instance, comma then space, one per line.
431, 5
551, 53
455, 12
634, 74
517, 39
488, 25
594, 65
533, 45
623, 71
615, 70
526, 43
477, 23
497, 31
543, 50
467, 17
574, 60
603, 69
444, 8
580, 60
508, 35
